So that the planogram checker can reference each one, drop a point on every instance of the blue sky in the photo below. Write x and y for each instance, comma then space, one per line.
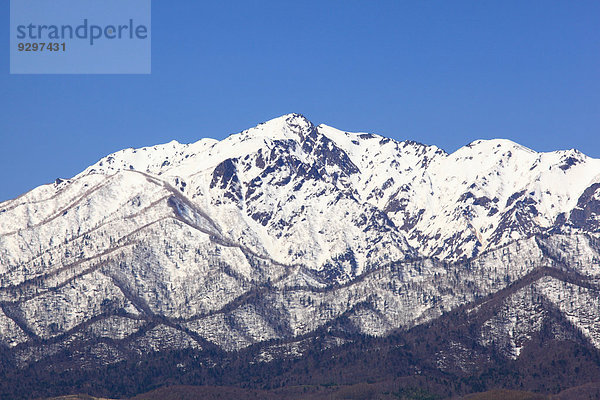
438, 72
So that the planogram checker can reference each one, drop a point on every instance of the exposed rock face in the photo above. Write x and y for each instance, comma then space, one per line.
288, 227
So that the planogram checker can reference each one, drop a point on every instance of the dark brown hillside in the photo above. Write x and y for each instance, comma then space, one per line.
380, 391
499, 394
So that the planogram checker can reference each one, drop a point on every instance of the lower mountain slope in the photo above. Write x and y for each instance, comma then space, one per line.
535, 331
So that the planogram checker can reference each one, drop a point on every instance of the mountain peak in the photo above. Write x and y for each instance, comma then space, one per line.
295, 123
292, 119
295, 117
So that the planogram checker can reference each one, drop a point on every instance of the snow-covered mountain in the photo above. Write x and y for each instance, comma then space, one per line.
288, 227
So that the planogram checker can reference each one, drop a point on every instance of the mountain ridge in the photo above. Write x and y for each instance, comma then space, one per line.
474, 210
288, 230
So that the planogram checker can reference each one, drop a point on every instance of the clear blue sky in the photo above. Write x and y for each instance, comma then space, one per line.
438, 72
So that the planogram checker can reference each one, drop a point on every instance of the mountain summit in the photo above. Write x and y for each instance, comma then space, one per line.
287, 228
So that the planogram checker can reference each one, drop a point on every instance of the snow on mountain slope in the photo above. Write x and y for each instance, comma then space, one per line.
449, 206
335, 202
499, 191
272, 187
456, 205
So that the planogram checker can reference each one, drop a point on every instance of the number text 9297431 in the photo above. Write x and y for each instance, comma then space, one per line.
50, 46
